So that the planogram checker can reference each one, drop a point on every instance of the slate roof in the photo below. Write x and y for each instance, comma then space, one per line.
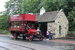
47, 16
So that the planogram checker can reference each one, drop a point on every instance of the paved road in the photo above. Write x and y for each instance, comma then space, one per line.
7, 42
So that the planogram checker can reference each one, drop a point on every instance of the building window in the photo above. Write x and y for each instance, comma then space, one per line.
12, 24
60, 30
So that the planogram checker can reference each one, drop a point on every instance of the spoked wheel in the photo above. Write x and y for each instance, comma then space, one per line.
15, 36
30, 38
41, 38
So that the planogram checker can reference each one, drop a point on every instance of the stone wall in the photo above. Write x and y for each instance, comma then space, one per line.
62, 21
52, 28
71, 33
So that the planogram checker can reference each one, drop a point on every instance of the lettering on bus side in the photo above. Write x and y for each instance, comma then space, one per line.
16, 29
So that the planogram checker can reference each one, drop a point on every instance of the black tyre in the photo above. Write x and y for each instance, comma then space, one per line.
15, 36
24, 37
41, 38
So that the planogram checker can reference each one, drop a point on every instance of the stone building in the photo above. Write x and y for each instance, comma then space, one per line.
55, 20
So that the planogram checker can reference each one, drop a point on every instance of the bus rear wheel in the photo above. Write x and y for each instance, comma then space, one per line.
15, 36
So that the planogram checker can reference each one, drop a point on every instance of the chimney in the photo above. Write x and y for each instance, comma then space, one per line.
42, 11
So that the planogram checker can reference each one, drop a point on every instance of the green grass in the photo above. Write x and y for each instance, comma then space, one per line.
8, 32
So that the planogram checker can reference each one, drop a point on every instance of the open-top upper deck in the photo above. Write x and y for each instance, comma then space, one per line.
23, 17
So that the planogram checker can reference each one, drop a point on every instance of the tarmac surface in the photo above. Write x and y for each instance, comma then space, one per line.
8, 43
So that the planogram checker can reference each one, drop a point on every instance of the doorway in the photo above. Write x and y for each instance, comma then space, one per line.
43, 27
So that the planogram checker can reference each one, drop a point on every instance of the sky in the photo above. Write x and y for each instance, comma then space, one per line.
2, 3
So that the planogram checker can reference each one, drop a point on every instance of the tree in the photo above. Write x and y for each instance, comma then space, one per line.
33, 6
4, 21
49, 5
15, 6
71, 18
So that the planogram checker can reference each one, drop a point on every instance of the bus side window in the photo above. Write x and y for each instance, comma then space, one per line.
17, 24
32, 26
12, 25
21, 25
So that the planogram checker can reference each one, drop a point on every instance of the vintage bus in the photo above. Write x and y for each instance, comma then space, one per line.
17, 26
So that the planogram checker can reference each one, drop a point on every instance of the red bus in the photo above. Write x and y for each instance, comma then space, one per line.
17, 26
